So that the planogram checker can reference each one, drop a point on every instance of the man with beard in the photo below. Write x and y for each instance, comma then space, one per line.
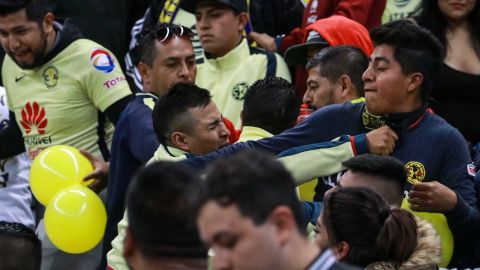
61, 89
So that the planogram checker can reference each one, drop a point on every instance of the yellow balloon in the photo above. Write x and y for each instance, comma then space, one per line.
440, 224
307, 190
75, 220
56, 168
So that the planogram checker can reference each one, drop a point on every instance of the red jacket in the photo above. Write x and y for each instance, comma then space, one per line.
351, 33
366, 12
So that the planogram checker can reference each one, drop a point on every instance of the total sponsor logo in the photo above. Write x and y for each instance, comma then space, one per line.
114, 82
102, 60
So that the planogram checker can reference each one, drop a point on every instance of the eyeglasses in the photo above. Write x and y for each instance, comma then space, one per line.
165, 32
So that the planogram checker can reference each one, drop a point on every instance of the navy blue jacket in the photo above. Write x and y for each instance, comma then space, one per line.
134, 143
423, 137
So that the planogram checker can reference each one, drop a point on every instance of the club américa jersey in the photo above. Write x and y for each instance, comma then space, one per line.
60, 102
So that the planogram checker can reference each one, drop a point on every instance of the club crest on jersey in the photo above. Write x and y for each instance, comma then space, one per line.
102, 60
33, 117
50, 76
415, 172
239, 90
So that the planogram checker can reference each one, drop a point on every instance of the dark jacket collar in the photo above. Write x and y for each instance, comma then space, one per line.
398, 121
66, 34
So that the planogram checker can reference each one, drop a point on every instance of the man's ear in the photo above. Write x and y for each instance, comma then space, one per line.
341, 250
47, 23
144, 71
180, 141
348, 90
416, 79
284, 223
242, 21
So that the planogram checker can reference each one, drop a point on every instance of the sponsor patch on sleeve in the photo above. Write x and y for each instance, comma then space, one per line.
102, 60
113, 82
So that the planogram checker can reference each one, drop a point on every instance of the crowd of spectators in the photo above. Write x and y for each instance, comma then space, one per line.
191, 114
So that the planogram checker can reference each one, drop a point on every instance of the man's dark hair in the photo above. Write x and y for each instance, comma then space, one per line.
254, 182
146, 50
161, 213
387, 175
341, 60
271, 104
35, 9
416, 50
20, 248
171, 110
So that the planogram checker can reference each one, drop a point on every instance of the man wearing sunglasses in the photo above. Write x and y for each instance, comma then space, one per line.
166, 58
229, 66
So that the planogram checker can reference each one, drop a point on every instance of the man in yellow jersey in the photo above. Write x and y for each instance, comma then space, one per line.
273, 17
229, 66
61, 89
401, 9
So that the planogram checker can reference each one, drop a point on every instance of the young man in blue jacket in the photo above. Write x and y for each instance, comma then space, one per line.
397, 86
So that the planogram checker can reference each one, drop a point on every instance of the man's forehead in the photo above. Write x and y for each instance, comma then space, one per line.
15, 20
175, 47
315, 75
230, 209
382, 52
220, 218
177, 56
315, 71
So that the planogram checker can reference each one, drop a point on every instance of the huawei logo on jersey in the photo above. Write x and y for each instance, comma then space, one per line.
33, 116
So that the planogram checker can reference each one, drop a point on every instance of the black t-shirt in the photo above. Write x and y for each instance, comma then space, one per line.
457, 96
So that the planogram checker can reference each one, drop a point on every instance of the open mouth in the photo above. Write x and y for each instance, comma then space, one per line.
457, 5
19, 55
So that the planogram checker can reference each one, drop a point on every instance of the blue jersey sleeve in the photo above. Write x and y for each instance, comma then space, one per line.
464, 219
455, 174
143, 142
317, 128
